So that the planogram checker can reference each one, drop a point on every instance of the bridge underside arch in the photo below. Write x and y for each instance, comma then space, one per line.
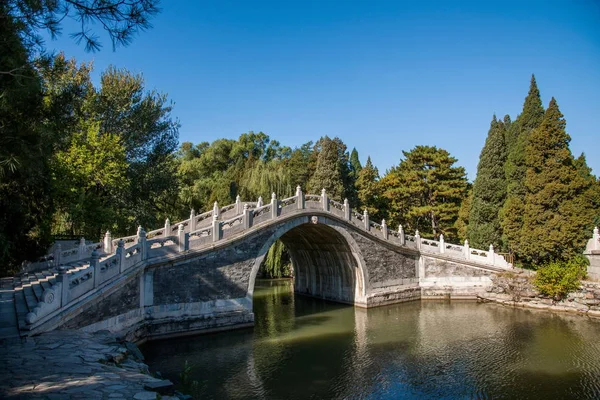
324, 264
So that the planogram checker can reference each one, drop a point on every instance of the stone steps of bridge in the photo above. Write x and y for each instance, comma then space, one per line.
26, 292
8, 316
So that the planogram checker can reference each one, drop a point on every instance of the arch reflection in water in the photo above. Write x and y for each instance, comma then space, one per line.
307, 348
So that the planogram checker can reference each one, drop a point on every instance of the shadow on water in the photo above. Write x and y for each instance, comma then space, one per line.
303, 348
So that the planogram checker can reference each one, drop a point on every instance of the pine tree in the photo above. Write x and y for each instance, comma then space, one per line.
556, 213
489, 191
462, 222
511, 215
369, 190
328, 172
425, 191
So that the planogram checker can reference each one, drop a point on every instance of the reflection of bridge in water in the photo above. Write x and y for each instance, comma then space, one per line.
199, 274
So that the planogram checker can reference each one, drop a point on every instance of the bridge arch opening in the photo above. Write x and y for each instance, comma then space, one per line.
325, 262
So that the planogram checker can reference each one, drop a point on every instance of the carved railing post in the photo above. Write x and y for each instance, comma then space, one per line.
57, 251
491, 255
401, 235
418, 239
596, 239
259, 203
384, 229
167, 228
299, 198
274, 206
108, 247
121, 255
324, 200
94, 267
216, 210
181, 238
239, 208
142, 243
216, 228
192, 220
81, 251
442, 244
63, 279
366, 219
467, 250
248, 214
346, 210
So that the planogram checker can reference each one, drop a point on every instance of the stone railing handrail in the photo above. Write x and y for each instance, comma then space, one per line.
244, 216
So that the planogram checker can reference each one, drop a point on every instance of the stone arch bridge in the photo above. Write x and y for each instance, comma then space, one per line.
199, 274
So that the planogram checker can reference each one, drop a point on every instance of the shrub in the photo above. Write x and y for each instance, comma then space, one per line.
558, 278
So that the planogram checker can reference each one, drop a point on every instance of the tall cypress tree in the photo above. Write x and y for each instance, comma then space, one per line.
511, 215
369, 190
556, 213
328, 172
489, 190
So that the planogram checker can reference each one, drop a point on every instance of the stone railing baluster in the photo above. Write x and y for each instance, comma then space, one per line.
347, 210
324, 200
121, 255
467, 250
384, 229
300, 198
401, 235
248, 214
274, 206
366, 220
192, 220
442, 244
418, 239
216, 229
108, 247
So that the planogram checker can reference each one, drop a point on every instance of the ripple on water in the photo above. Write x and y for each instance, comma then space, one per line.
305, 348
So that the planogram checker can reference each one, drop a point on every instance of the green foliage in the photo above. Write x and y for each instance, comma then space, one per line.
558, 278
556, 212
25, 148
369, 190
462, 222
89, 176
425, 191
489, 191
515, 168
328, 173
277, 263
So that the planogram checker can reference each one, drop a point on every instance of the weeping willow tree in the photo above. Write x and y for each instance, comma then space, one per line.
265, 177
277, 263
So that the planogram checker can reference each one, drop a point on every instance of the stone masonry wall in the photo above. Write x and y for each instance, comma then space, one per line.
516, 289
124, 299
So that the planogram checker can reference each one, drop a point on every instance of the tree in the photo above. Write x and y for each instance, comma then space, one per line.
368, 188
515, 167
121, 20
328, 171
489, 191
556, 217
462, 222
425, 191
25, 148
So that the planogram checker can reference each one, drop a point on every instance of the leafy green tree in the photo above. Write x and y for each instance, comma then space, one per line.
299, 165
369, 192
425, 191
328, 173
89, 176
277, 263
355, 165
511, 215
25, 148
489, 191
462, 222
556, 217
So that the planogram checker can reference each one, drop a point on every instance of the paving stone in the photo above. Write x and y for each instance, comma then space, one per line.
145, 396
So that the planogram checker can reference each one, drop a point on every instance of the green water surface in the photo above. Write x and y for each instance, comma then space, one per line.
304, 348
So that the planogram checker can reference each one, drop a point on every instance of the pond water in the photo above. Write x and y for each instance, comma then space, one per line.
304, 348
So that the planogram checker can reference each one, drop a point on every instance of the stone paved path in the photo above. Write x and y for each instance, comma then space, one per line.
8, 316
73, 365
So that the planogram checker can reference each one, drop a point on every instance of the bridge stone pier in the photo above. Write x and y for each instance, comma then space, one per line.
199, 274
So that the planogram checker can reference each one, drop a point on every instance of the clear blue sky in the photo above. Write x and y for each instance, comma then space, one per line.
384, 76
